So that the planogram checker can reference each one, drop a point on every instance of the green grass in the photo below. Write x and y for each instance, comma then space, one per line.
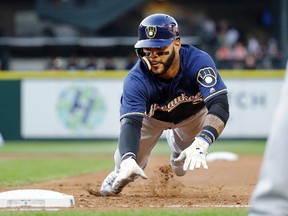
241, 147
27, 171
63, 159
55, 159
108, 147
59, 147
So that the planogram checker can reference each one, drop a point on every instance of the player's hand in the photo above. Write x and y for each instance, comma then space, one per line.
195, 155
129, 170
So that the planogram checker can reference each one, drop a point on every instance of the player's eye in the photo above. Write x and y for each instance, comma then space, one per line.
147, 53
163, 53
160, 53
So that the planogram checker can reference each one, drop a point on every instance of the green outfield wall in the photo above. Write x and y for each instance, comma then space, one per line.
10, 109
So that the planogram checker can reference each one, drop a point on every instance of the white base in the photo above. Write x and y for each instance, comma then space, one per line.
221, 155
32, 198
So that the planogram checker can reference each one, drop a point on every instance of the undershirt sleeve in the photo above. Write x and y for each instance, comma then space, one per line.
129, 139
219, 107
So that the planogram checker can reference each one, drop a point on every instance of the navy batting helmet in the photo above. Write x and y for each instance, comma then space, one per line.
156, 31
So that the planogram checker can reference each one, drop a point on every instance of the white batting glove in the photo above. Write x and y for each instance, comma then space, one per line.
129, 170
195, 155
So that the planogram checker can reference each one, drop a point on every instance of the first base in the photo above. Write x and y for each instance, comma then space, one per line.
35, 198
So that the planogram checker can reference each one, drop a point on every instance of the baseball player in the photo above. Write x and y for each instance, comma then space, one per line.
173, 87
270, 197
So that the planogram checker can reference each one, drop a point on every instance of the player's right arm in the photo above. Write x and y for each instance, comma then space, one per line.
132, 113
132, 109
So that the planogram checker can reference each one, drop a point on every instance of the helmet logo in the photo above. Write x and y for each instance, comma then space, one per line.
151, 31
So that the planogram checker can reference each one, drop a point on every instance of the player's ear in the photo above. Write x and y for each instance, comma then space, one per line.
177, 44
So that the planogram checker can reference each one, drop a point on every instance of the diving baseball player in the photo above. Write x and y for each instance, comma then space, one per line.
174, 88
270, 197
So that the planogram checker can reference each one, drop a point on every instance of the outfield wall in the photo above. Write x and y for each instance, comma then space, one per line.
85, 105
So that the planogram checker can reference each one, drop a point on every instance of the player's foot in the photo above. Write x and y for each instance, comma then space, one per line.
177, 167
106, 187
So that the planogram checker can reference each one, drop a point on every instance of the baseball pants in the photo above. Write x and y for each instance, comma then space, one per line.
184, 134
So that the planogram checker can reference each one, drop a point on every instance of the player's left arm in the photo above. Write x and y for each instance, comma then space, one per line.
215, 97
216, 119
214, 92
218, 113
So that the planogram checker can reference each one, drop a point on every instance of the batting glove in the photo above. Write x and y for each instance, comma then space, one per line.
195, 155
129, 170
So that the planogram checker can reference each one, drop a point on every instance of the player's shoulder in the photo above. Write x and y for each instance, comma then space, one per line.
194, 58
137, 74
136, 70
192, 52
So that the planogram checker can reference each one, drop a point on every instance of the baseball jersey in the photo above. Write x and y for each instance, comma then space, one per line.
173, 100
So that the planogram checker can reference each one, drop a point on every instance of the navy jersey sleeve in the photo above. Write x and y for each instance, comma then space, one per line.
133, 99
207, 77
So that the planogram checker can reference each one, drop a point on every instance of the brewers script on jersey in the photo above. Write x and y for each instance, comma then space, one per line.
175, 88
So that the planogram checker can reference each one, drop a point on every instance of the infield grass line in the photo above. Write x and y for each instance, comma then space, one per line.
135, 212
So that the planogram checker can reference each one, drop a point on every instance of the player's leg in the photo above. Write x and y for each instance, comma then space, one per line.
181, 136
177, 167
271, 193
150, 133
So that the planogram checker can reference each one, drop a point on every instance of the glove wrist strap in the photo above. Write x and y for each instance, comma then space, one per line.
127, 155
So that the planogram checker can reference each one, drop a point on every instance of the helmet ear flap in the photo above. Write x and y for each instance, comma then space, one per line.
141, 55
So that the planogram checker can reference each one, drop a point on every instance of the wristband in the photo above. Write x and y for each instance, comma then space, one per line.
209, 134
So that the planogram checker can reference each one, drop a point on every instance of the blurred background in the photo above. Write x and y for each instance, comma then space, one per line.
62, 62
100, 34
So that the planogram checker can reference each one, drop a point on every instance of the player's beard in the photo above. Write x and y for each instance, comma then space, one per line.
166, 65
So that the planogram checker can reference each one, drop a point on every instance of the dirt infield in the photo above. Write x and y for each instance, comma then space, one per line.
223, 184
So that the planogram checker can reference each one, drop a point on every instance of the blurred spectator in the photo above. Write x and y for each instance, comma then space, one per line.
209, 36
109, 64
272, 57
209, 30
55, 63
250, 62
73, 63
273, 49
227, 34
253, 46
238, 52
223, 53
223, 57
238, 55
91, 63
131, 60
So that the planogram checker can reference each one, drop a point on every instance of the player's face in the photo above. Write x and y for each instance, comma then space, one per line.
161, 59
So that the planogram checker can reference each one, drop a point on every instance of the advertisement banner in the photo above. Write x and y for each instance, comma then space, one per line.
70, 108
252, 104
55, 108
